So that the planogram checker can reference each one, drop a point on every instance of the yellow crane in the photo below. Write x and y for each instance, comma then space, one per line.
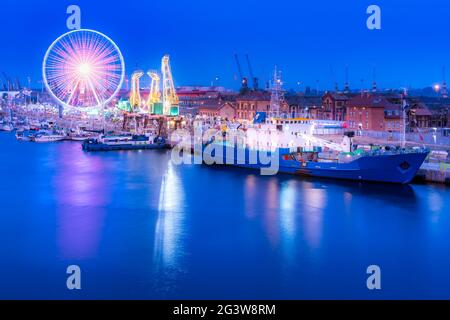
154, 96
135, 95
170, 98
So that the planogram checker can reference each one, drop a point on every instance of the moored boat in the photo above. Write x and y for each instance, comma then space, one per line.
25, 135
6, 127
124, 142
289, 146
48, 137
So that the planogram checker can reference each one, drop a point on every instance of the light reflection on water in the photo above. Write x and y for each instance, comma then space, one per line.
169, 225
166, 231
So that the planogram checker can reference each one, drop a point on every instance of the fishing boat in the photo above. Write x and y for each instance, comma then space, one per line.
124, 142
288, 145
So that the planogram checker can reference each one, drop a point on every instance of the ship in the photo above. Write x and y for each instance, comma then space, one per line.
124, 142
290, 143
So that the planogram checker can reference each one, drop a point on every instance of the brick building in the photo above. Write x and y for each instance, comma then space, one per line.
366, 111
334, 106
194, 97
249, 103
218, 108
419, 116
304, 106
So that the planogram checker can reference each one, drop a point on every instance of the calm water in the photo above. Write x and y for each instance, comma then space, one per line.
140, 227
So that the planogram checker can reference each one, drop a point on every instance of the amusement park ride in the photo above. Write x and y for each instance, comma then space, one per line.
154, 98
168, 106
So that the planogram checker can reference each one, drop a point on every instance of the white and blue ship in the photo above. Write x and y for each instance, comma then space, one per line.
299, 151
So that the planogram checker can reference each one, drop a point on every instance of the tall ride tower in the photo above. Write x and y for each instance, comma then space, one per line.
170, 98
135, 95
154, 104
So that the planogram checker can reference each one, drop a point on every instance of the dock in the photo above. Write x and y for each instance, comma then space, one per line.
434, 172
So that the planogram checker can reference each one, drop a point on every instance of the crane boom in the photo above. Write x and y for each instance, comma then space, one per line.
244, 80
238, 66
255, 80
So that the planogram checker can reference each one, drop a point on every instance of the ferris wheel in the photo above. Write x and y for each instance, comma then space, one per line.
83, 69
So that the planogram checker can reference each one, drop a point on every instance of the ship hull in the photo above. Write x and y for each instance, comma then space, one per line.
389, 168
104, 147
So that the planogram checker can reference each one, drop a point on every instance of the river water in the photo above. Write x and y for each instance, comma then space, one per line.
141, 227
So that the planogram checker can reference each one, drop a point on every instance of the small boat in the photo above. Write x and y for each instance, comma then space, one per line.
124, 142
48, 137
80, 135
6, 127
25, 135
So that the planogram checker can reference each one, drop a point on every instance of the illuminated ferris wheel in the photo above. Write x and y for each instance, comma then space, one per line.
83, 69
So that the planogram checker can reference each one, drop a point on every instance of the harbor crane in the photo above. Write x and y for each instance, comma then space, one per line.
255, 80
135, 95
244, 80
155, 93
170, 98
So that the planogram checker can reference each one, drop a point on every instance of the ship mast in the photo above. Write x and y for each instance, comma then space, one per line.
404, 106
276, 93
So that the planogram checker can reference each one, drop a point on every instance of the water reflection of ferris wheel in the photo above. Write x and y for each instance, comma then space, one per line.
83, 69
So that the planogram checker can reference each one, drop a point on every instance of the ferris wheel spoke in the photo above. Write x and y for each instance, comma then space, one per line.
94, 92
73, 92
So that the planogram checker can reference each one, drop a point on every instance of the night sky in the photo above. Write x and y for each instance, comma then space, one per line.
308, 40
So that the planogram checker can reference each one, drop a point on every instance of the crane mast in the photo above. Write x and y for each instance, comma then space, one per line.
170, 98
244, 81
135, 95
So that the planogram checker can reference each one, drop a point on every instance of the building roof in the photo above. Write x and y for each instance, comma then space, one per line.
254, 96
337, 96
423, 112
369, 100
420, 109
214, 105
304, 101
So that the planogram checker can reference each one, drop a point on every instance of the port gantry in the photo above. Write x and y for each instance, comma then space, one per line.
170, 98
154, 97
135, 95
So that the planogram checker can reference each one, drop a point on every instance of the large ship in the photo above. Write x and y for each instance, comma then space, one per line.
288, 145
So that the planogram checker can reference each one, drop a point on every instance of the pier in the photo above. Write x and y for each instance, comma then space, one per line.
434, 172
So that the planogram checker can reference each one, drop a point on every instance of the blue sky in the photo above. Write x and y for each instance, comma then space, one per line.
306, 39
